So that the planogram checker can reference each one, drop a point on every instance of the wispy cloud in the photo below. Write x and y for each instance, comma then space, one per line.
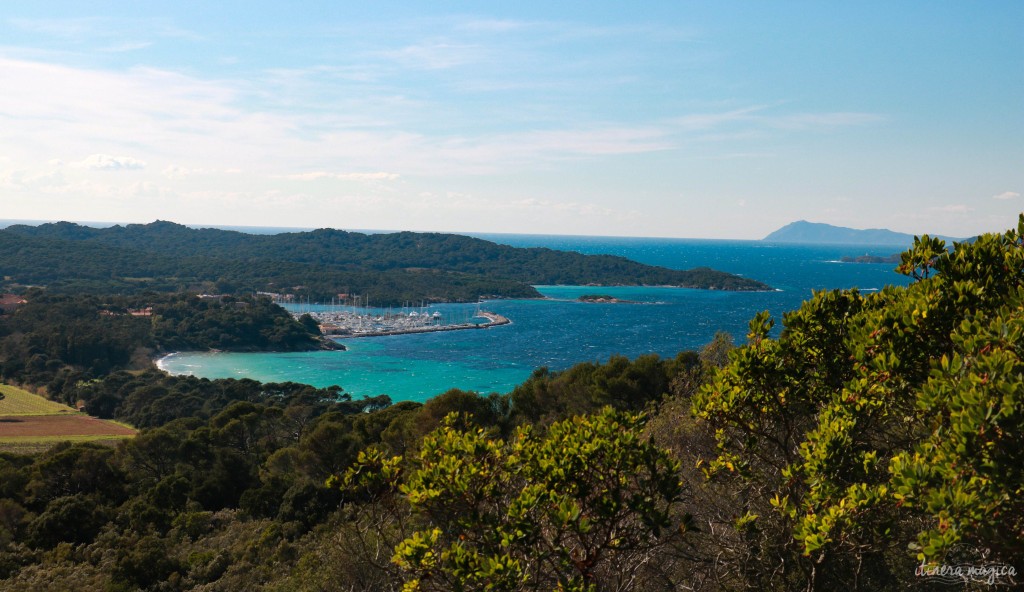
83, 28
703, 121
169, 119
492, 25
126, 47
58, 27
1006, 195
179, 172
434, 55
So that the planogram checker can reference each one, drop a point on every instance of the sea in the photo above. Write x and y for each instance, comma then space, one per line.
558, 331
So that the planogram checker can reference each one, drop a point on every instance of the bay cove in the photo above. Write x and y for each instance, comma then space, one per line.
558, 331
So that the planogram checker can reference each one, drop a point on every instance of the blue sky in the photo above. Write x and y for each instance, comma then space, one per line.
679, 119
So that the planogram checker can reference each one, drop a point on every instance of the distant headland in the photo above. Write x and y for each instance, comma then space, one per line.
803, 231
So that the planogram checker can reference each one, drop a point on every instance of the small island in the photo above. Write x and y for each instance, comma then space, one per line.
602, 299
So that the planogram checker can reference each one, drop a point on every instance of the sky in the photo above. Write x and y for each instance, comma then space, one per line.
722, 119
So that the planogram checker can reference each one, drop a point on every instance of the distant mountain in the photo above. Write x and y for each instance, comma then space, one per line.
818, 233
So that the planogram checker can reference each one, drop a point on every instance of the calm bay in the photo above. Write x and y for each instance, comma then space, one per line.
559, 331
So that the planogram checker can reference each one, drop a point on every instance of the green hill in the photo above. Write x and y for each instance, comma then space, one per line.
390, 268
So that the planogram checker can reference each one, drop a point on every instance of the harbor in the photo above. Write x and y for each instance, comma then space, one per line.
351, 321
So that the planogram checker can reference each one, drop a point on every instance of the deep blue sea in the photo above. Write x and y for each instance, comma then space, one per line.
559, 332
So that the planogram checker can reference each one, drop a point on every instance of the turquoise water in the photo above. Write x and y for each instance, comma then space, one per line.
559, 332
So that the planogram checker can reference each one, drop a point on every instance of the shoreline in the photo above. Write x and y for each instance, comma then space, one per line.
325, 342
493, 320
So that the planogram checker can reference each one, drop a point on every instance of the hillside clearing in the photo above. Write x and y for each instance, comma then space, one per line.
30, 423
21, 402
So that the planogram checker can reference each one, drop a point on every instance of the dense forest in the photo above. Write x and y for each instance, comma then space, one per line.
387, 268
54, 340
877, 439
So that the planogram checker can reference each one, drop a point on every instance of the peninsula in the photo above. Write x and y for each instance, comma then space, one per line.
320, 265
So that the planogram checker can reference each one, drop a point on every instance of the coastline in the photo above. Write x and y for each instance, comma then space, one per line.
326, 343
493, 320
159, 362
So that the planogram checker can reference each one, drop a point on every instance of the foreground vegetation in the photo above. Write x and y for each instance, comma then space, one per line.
875, 435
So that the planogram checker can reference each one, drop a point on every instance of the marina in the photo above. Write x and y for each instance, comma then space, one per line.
349, 321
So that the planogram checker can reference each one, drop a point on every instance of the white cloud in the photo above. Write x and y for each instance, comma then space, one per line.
1006, 195
106, 162
176, 172
379, 176
179, 172
144, 189
22, 179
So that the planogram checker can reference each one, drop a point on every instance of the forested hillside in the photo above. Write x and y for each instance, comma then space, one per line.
74, 267
389, 268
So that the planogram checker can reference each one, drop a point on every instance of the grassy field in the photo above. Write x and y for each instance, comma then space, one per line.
30, 423
20, 402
